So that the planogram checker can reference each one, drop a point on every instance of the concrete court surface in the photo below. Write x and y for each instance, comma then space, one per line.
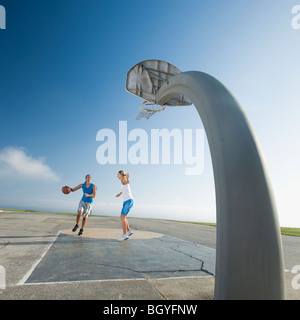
43, 259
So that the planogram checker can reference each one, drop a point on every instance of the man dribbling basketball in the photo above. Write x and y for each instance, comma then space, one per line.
86, 202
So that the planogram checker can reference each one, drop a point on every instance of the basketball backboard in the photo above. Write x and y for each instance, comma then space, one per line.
145, 79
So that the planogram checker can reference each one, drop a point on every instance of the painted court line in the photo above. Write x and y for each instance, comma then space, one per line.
35, 264
113, 280
29, 272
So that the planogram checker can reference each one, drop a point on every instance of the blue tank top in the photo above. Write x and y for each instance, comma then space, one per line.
88, 190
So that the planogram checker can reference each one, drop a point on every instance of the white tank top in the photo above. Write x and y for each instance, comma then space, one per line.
126, 192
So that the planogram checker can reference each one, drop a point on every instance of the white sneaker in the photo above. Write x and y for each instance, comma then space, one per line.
124, 237
129, 233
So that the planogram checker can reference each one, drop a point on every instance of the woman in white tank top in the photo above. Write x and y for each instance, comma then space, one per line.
127, 203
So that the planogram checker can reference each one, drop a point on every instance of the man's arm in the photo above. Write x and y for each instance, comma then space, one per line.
94, 191
92, 195
76, 188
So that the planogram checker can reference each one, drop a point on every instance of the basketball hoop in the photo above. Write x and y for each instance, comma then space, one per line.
150, 110
145, 79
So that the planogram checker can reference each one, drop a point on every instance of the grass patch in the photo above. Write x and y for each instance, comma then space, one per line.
211, 224
290, 231
35, 211
284, 230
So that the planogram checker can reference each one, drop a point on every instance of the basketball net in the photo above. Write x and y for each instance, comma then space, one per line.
147, 110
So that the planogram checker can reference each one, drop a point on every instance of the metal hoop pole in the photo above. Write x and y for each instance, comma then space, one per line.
249, 256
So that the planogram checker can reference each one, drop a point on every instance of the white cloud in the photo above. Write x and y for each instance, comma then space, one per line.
15, 163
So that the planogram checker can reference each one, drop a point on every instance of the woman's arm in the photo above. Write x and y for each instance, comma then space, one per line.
126, 180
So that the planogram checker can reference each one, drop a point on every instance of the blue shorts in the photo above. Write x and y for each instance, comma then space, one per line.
127, 205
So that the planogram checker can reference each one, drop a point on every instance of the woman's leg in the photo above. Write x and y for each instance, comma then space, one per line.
124, 223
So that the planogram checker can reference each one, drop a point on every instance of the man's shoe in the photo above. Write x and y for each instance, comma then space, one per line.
75, 228
80, 232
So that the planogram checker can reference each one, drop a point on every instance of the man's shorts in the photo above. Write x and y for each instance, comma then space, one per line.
127, 205
85, 207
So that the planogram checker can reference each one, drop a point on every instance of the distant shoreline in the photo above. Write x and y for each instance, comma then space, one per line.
284, 230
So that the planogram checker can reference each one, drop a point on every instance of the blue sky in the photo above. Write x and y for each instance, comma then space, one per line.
63, 66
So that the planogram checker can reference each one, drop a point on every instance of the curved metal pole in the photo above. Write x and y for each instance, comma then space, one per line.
249, 258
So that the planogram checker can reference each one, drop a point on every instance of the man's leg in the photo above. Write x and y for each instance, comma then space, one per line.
77, 221
78, 217
84, 220
86, 212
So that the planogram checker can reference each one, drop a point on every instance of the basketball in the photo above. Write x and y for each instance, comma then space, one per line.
66, 190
